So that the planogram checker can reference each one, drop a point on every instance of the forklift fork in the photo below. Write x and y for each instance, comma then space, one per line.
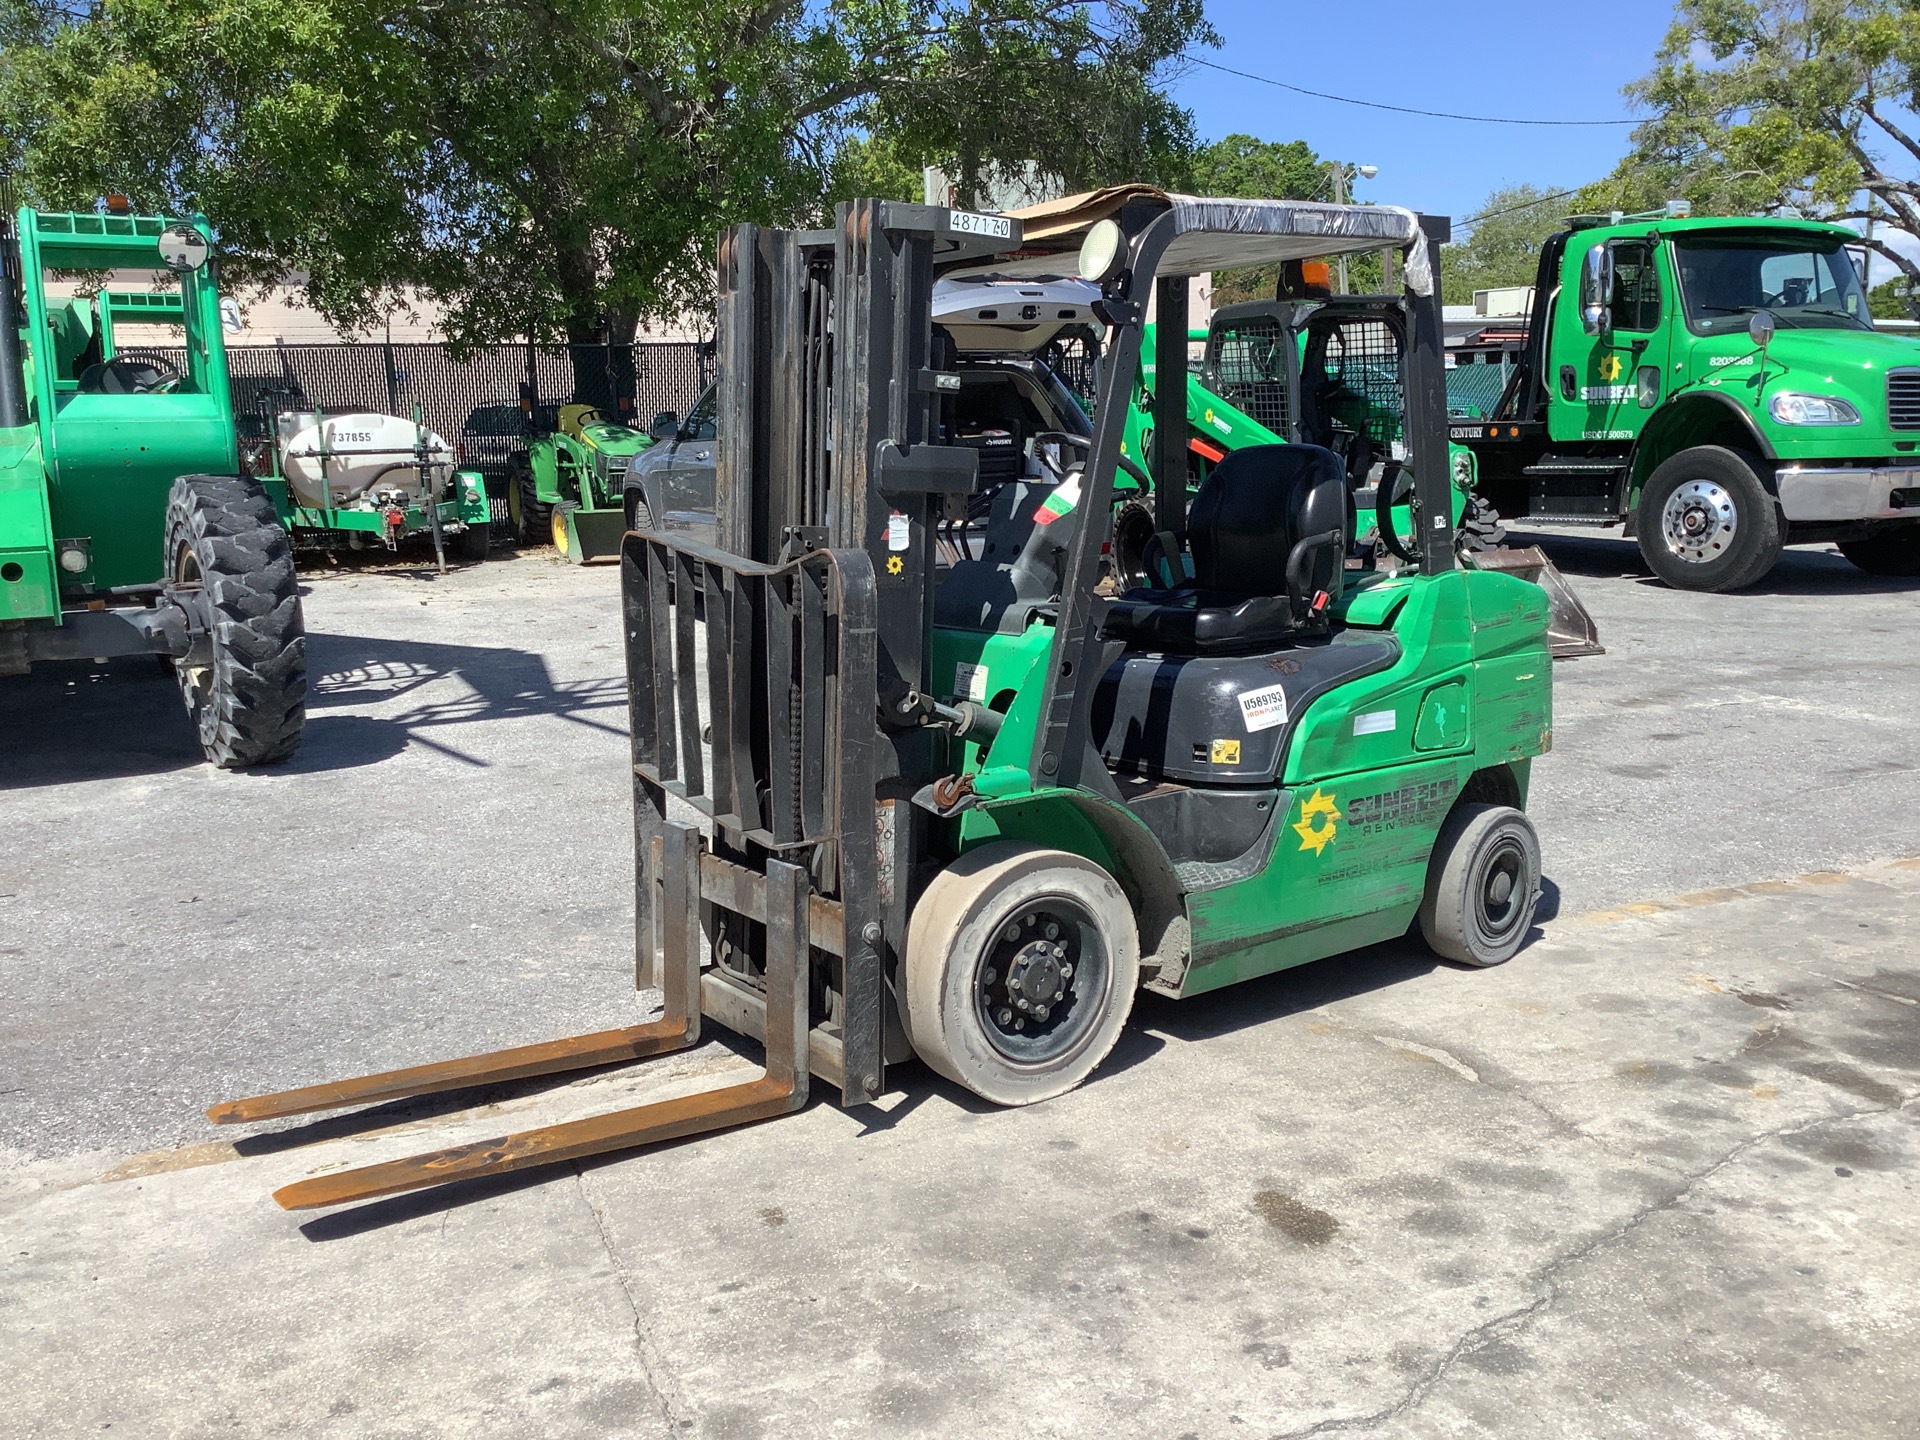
675, 870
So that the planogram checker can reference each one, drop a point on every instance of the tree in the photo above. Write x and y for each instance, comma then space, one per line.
1502, 246
1253, 169
1782, 105
559, 168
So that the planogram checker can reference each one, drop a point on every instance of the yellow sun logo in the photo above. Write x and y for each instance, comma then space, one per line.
1319, 821
1610, 368
895, 564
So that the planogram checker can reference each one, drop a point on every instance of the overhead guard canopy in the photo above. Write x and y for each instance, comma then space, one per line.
1216, 233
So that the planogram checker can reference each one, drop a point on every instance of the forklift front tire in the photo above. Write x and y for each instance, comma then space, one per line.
1483, 883
1020, 969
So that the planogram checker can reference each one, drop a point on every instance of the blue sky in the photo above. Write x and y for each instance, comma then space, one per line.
1482, 57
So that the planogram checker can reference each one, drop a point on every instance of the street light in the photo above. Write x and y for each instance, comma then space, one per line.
1342, 173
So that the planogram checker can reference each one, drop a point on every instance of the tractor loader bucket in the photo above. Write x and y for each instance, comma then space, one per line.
788, 679
1570, 628
586, 537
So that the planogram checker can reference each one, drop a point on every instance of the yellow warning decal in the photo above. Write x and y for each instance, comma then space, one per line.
1225, 752
1319, 821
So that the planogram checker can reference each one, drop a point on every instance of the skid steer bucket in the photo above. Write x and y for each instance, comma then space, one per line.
783, 681
1570, 629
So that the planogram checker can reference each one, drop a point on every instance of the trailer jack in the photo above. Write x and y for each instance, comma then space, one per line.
675, 872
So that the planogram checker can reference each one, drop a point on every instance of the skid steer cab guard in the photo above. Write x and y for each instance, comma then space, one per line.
892, 805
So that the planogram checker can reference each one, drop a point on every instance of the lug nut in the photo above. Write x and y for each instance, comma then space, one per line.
1066, 972
1019, 1024
1005, 1017
1011, 933
1052, 932
1056, 996
1021, 1003
991, 975
1041, 1013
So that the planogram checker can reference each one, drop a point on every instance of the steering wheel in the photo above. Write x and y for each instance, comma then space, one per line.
132, 372
1385, 496
1060, 438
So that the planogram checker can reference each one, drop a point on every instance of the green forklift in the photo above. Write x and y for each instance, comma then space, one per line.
965, 812
125, 525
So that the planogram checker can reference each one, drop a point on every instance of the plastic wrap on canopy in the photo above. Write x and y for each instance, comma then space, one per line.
1220, 234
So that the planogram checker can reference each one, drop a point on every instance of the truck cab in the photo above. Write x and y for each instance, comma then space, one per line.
1717, 387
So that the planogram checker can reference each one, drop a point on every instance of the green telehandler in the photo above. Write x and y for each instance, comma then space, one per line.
964, 812
126, 527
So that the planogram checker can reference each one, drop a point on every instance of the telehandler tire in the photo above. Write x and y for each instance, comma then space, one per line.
1891, 552
1020, 970
1705, 522
1483, 884
246, 684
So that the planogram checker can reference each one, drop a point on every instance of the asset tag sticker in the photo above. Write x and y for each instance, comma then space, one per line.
1225, 752
898, 536
970, 682
1264, 709
1375, 722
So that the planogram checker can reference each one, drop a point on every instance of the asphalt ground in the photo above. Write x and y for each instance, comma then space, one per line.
1599, 1191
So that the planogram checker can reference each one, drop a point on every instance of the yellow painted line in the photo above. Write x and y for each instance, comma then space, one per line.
1726, 894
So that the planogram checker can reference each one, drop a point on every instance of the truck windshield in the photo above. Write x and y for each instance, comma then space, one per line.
1806, 283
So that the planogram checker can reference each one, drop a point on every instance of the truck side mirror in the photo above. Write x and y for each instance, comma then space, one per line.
1760, 327
665, 425
1596, 292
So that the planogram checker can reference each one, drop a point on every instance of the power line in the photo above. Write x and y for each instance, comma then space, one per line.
1397, 109
1472, 220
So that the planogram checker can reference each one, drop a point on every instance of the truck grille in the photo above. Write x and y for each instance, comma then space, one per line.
1903, 399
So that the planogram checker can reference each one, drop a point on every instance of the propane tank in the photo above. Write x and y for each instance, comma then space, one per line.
358, 457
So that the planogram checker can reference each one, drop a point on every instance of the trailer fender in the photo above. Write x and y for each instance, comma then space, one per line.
1696, 418
1109, 835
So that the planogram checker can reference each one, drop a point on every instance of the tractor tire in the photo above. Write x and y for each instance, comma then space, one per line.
562, 540
1705, 522
472, 543
1891, 552
1480, 529
995, 1002
248, 696
1483, 884
531, 518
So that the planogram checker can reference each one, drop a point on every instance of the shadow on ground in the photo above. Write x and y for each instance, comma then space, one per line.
124, 718
1802, 570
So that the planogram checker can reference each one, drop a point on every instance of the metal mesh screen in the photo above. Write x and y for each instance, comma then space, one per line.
1362, 368
1247, 366
1074, 355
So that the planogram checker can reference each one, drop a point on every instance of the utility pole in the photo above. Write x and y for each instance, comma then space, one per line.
1339, 169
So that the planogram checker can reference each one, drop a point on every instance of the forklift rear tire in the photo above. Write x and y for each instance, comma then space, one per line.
247, 688
1483, 883
1706, 522
1020, 970
1891, 552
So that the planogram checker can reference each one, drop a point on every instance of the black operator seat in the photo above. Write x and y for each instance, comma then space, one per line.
1268, 533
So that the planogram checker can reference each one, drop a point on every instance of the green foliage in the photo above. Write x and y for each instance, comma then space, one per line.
1253, 169
1895, 299
1503, 247
1802, 106
560, 167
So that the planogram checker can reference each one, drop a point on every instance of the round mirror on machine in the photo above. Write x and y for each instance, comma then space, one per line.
1760, 328
1100, 251
183, 248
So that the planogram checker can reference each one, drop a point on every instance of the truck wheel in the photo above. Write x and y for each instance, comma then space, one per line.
530, 516
246, 685
472, 543
639, 515
1706, 522
1020, 970
1891, 552
1483, 882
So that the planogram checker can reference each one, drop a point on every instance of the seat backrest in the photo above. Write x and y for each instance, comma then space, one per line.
1254, 507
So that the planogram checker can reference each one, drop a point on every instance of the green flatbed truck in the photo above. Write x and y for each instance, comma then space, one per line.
1716, 386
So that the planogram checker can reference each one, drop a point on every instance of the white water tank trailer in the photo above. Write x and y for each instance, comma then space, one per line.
360, 459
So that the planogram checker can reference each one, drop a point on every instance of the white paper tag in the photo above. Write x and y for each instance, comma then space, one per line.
970, 683
1264, 709
1375, 722
898, 536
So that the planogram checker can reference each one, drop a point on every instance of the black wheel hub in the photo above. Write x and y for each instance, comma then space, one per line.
1501, 900
1037, 986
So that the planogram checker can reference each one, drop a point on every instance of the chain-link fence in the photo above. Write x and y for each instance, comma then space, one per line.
1474, 387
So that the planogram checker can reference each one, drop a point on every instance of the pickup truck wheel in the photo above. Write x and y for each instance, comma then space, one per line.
1483, 883
245, 683
1891, 552
1706, 522
639, 517
1020, 970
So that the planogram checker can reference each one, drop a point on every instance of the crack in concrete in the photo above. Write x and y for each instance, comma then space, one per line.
652, 1363
1516, 1321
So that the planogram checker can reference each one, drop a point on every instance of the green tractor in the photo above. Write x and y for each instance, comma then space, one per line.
566, 487
965, 811
126, 525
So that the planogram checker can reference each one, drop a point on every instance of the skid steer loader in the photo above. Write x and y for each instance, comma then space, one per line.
885, 808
